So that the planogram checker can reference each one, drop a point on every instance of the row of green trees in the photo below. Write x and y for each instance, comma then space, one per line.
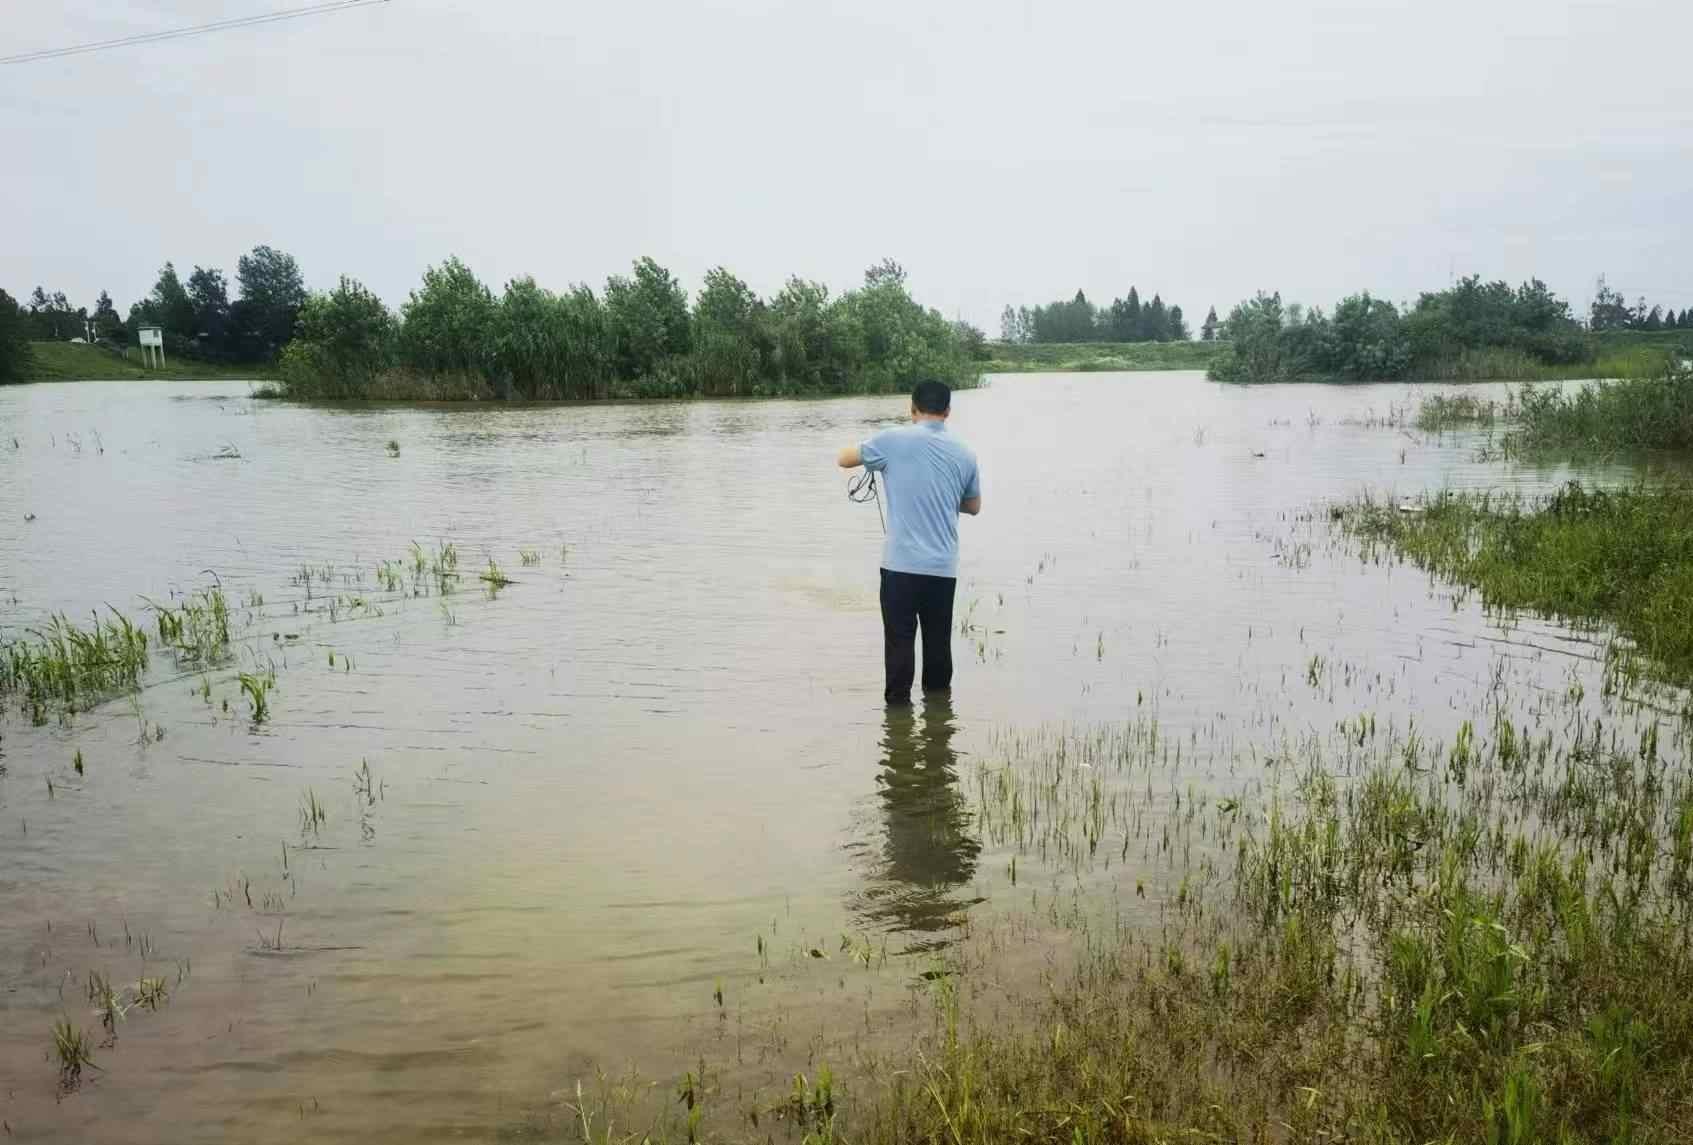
198, 317
1079, 320
1370, 339
640, 337
1611, 312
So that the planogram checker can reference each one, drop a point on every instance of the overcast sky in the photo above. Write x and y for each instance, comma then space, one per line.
1003, 151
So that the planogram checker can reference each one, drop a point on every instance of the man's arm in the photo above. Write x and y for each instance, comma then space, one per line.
848, 458
972, 500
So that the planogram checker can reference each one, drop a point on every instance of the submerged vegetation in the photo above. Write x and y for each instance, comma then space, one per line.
1621, 557
1476, 941
456, 340
1440, 412
1653, 412
1473, 331
70, 667
1636, 414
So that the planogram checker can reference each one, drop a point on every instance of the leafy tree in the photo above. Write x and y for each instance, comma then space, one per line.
550, 346
1258, 352
168, 307
446, 325
1119, 324
1654, 320
1609, 311
972, 340
51, 318
1208, 330
731, 336
591, 357
272, 292
649, 318
1364, 341
346, 337
806, 337
1175, 326
1154, 321
884, 340
15, 355
885, 272
1009, 330
208, 295
1134, 323
1072, 321
107, 325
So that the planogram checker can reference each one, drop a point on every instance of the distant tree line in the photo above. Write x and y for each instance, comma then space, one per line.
641, 337
198, 318
1472, 329
1610, 312
1079, 320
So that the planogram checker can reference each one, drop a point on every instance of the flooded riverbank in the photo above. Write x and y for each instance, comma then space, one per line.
652, 772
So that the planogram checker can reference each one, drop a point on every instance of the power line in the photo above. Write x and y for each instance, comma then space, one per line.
181, 33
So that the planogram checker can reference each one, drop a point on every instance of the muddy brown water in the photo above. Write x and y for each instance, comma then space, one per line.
599, 789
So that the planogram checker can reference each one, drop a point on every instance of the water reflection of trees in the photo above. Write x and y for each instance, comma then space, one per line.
928, 849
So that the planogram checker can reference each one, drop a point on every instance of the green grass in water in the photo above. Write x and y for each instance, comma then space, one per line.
1624, 558
1645, 413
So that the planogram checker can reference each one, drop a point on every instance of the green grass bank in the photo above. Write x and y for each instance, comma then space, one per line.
1083, 357
79, 362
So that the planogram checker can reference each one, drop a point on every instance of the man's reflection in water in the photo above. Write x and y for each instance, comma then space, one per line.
928, 850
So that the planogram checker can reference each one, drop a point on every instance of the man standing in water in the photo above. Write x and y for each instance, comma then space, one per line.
931, 478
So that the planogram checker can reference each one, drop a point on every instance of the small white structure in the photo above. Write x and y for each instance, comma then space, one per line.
152, 338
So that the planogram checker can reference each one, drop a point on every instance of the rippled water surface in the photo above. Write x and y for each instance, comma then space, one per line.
600, 792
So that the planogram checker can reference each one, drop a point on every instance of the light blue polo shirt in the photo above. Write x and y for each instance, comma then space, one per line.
928, 472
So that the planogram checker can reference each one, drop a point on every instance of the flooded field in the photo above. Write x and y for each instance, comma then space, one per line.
572, 758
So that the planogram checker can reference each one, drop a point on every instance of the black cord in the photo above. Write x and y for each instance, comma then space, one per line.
861, 487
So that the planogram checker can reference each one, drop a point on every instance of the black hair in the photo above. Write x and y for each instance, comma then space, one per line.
931, 397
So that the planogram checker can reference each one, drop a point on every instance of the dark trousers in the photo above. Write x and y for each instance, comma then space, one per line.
910, 600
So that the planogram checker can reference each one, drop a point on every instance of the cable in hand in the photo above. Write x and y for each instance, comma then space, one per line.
861, 487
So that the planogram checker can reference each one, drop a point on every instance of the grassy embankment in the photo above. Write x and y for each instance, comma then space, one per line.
1056, 357
76, 362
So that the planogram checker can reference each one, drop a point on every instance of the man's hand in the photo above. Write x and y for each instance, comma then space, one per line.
970, 505
848, 458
